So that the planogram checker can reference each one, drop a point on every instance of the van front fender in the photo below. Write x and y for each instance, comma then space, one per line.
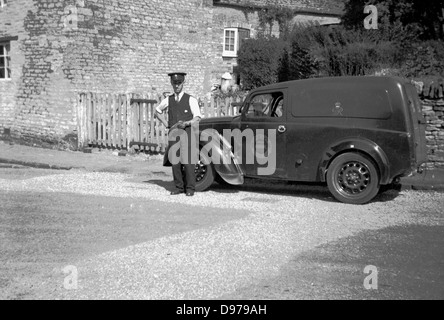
224, 161
357, 145
222, 157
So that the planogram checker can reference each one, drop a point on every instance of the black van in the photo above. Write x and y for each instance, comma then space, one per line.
354, 133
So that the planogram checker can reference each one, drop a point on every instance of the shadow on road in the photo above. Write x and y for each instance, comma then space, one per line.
406, 263
317, 191
167, 185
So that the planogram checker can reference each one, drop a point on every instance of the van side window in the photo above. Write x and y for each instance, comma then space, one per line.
266, 105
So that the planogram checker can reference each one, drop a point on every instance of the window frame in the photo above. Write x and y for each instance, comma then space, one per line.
3, 3
275, 96
237, 41
5, 53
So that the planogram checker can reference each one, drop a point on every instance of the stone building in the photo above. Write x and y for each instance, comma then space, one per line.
51, 50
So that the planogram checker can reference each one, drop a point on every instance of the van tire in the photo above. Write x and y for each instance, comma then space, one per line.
205, 173
353, 178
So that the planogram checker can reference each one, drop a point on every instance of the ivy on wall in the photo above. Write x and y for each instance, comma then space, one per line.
270, 14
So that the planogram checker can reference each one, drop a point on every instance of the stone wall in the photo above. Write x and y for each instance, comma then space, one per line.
433, 109
66, 47
334, 7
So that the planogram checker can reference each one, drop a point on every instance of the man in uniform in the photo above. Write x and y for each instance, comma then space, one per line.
183, 113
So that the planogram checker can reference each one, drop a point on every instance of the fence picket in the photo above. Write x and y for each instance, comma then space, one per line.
89, 117
113, 121
103, 119
108, 120
151, 126
148, 126
125, 121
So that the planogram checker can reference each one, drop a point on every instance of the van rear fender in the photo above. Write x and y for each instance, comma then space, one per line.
366, 147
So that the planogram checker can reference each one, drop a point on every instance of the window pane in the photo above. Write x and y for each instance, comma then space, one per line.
229, 40
243, 34
2, 73
2, 62
266, 105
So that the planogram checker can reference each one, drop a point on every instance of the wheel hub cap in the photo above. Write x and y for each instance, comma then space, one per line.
200, 171
354, 178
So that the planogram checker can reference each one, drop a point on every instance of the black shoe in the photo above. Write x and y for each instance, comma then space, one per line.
176, 192
190, 193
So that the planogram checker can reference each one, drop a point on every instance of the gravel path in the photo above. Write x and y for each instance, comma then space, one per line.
212, 262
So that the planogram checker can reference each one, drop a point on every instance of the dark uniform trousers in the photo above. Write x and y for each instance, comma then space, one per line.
184, 172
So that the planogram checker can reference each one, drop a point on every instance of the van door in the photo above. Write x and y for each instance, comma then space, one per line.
264, 127
419, 125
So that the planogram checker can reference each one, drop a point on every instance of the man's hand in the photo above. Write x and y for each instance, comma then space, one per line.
183, 125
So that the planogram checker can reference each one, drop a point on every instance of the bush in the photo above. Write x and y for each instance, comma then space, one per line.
337, 51
314, 50
260, 60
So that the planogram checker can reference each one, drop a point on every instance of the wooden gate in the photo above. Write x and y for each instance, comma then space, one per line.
119, 121
122, 121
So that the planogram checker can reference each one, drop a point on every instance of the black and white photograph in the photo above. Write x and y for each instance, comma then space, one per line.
221, 155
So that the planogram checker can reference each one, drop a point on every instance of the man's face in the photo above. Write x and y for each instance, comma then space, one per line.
177, 86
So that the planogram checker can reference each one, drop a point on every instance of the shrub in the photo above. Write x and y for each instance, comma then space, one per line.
260, 60
336, 51
314, 50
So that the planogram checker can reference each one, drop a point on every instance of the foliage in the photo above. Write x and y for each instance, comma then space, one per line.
270, 14
301, 64
424, 18
340, 52
402, 45
236, 94
259, 61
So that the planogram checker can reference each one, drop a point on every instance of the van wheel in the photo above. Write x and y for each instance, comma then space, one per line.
353, 178
204, 173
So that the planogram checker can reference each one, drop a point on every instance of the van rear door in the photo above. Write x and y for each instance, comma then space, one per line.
419, 124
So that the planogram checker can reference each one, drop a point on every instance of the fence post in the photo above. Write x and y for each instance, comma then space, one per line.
152, 122
81, 120
89, 118
129, 127
124, 106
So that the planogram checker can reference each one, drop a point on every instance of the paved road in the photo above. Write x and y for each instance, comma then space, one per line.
126, 238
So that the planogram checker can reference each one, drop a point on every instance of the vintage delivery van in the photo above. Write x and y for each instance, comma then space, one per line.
352, 133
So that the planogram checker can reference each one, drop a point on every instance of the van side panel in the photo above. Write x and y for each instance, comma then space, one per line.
345, 99
312, 142
370, 109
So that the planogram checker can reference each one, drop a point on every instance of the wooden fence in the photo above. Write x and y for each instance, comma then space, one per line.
124, 121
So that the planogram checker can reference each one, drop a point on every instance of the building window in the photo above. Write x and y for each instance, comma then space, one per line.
5, 61
233, 39
3, 3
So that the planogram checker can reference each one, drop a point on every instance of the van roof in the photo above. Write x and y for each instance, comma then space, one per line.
362, 80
